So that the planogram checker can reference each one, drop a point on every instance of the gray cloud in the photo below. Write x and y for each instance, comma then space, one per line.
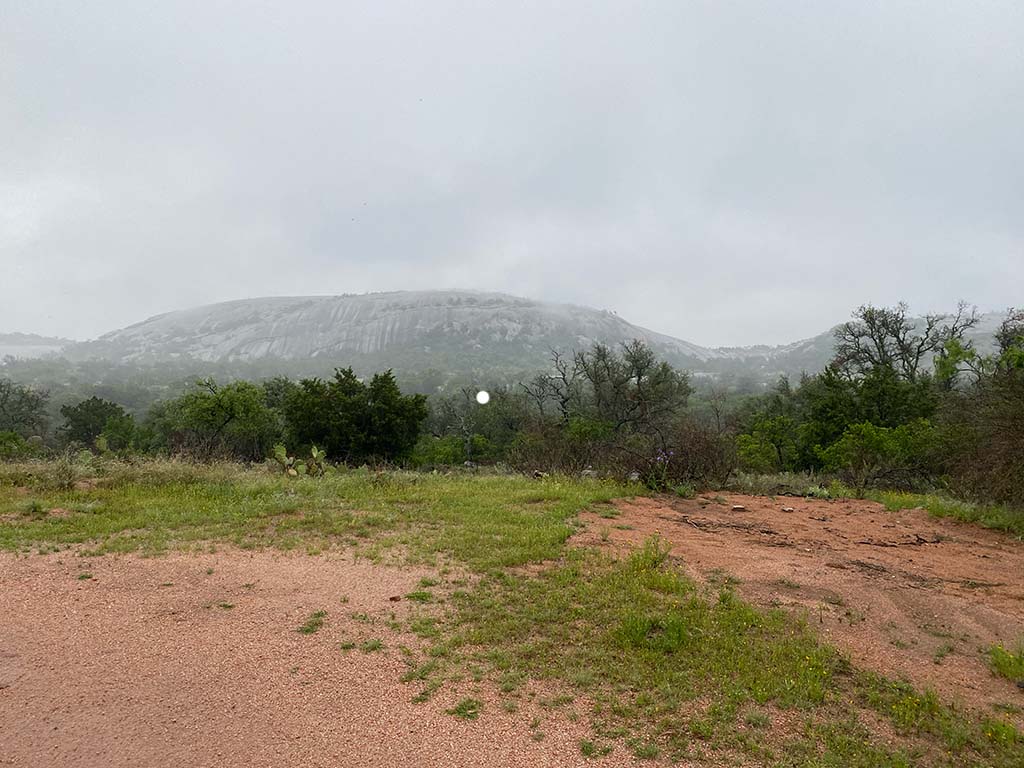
727, 173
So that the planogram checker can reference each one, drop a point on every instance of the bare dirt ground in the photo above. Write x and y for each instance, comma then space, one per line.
194, 660
902, 593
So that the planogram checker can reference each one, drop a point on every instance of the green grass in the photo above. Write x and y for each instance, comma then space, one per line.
467, 709
314, 623
483, 521
678, 671
1007, 663
594, 749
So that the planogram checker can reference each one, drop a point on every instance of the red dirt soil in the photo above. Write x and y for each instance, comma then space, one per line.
142, 666
902, 593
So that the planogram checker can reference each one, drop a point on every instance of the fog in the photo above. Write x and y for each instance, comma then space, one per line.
726, 173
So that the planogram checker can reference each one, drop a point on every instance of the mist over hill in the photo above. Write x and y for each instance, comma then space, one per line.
454, 332
27, 346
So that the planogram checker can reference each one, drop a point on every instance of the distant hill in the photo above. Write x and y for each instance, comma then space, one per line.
27, 346
454, 332
407, 330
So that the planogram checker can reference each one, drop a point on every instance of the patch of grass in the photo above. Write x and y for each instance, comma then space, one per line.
653, 643
484, 521
685, 491
645, 750
1007, 663
661, 651
467, 709
942, 652
371, 646
421, 672
421, 596
757, 719
346, 645
314, 623
84, 576
226, 606
592, 749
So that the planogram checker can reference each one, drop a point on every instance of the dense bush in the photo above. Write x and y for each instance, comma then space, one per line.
355, 422
15, 447
867, 455
215, 421
95, 420
984, 422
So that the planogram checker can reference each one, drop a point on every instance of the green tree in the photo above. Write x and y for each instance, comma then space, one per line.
84, 421
771, 445
118, 433
232, 420
22, 409
886, 338
984, 423
633, 391
867, 454
355, 422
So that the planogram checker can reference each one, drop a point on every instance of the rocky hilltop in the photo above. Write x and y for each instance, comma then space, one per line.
448, 331
441, 329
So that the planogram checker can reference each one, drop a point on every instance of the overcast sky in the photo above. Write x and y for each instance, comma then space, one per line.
725, 172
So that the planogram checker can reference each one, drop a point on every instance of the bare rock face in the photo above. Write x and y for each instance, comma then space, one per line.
489, 327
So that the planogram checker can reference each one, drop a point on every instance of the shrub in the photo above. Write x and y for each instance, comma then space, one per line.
87, 420
867, 454
353, 421
13, 447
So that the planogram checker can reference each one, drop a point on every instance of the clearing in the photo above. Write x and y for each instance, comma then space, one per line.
165, 615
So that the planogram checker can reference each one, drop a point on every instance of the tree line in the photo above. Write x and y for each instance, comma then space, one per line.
904, 403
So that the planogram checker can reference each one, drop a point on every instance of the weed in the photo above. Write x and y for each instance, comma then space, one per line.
1007, 663
372, 645
645, 750
942, 652
467, 709
313, 623
757, 719
593, 749
685, 491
